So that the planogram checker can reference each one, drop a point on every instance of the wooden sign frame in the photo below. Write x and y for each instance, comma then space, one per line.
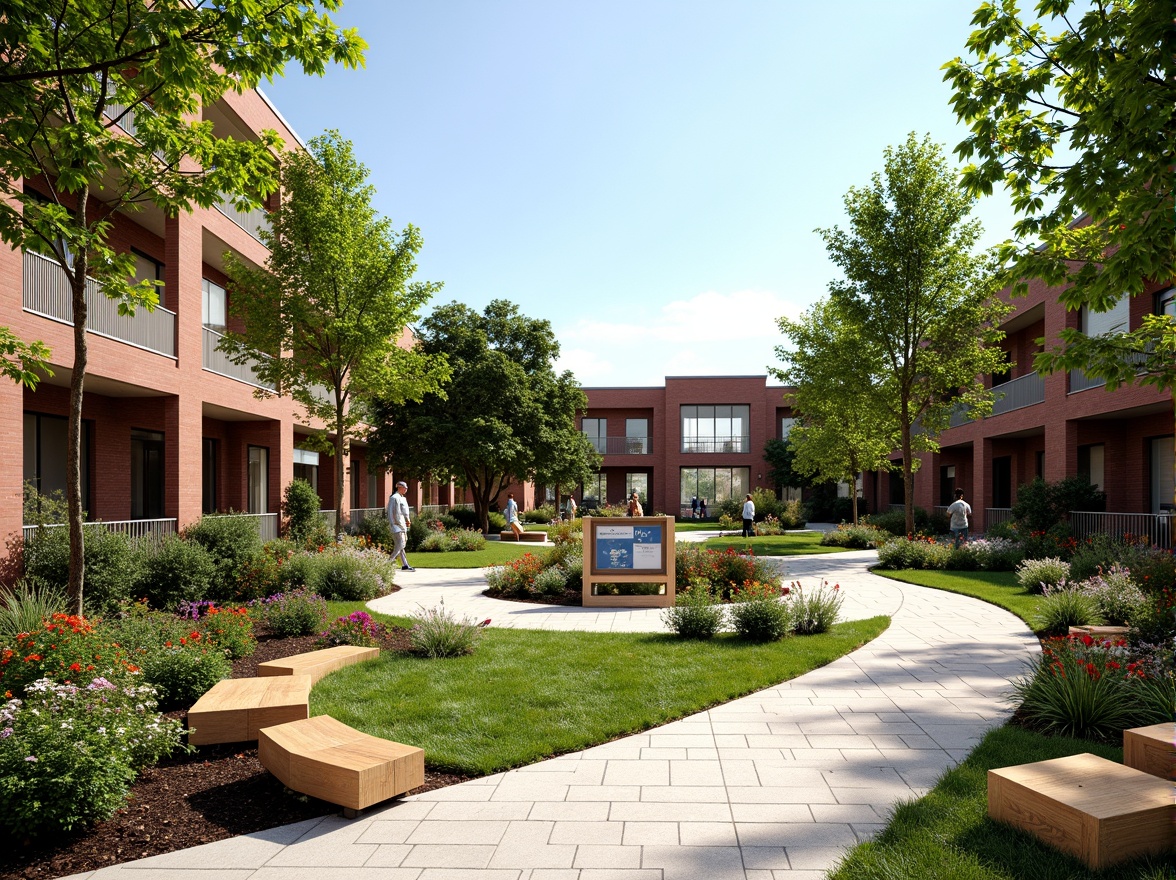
665, 574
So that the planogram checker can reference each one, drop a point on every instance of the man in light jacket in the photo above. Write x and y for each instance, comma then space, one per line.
399, 516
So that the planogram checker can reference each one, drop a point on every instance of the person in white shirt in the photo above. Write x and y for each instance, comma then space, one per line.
749, 518
959, 510
400, 518
512, 515
570, 510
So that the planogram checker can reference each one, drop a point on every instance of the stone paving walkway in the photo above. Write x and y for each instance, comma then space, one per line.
773, 785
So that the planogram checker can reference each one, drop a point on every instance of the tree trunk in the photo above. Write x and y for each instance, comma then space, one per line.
73, 459
340, 465
908, 480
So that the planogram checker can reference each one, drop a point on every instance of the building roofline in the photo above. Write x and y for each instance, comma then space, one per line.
285, 122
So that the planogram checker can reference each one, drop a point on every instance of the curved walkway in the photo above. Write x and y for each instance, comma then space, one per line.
772, 785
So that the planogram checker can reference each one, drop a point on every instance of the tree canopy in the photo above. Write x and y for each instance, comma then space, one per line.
506, 415
334, 300
100, 113
916, 298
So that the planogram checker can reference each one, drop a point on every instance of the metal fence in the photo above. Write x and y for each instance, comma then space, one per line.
1018, 393
252, 221
622, 445
267, 523
716, 444
216, 361
46, 293
135, 528
994, 515
359, 514
1156, 527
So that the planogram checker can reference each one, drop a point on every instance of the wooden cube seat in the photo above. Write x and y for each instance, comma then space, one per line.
1092, 808
533, 537
236, 708
326, 759
1114, 633
1152, 749
316, 664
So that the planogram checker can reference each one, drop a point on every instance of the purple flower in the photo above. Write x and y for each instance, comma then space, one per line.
32, 759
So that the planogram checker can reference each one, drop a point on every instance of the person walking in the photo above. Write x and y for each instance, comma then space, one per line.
960, 511
694, 507
570, 508
400, 518
702, 508
635, 506
512, 515
749, 518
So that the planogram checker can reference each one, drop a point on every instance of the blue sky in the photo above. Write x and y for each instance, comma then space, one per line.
645, 175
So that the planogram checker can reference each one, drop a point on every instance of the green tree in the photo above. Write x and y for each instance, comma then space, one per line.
334, 299
917, 297
1074, 112
781, 458
77, 77
844, 425
570, 459
506, 414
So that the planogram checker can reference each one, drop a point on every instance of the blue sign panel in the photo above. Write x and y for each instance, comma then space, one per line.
628, 547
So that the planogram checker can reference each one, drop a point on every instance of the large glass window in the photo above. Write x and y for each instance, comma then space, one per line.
258, 479
1161, 473
1166, 302
596, 430
714, 484
595, 492
637, 437
1114, 320
1091, 464
147, 269
45, 456
716, 428
146, 475
306, 465
214, 306
786, 427
638, 483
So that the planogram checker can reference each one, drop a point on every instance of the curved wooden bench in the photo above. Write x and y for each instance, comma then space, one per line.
536, 537
235, 709
326, 759
316, 664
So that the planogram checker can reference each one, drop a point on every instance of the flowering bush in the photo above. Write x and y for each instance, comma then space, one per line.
695, 614
357, 628
297, 612
987, 554
1036, 575
770, 526
184, 671
437, 632
1093, 688
515, 578
550, 581
1117, 599
758, 614
814, 612
859, 537
229, 627
68, 754
349, 570
723, 569
914, 552
63, 648
452, 540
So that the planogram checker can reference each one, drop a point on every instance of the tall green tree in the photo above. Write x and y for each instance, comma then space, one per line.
837, 381
506, 414
76, 79
1073, 110
918, 297
334, 299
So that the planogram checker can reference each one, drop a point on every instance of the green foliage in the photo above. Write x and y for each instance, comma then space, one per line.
44, 509
1037, 575
357, 628
351, 574
1116, 597
24, 606
301, 506
758, 614
466, 540
505, 415
913, 553
551, 581
68, 754
1063, 608
173, 571
816, 611
1041, 506
233, 542
378, 531
861, 537
183, 673
298, 612
543, 514
696, 614
781, 459
725, 570
1152, 568
1050, 112
264, 574
228, 628
140, 630
438, 632
111, 564
418, 531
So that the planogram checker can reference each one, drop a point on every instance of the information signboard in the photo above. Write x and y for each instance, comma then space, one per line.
623, 558
622, 548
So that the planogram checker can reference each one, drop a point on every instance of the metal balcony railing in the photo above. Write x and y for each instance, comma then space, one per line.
1079, 381
1156, 527
716, 444
622, 445
994, 515
267, 523
136, 528
216, 361
1018, 393
46, 293
252, 221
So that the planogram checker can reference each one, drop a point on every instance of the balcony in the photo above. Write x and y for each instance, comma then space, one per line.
1079, 381
47, 293
1018, 393
716, 444
622, 445
216, 361
252, 221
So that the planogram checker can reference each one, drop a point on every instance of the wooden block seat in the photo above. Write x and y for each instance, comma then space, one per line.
1101, 632
1092, 808
1152, 749
326, 759
316, 664
235, 709
534, 537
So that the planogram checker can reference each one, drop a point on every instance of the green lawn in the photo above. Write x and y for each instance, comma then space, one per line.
802, 544
948, 833
495, 553
696, 526
998, 587
525, 695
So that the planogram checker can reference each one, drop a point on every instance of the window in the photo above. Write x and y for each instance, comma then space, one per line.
214, 306
258, 479
1166, 302
786, 427
715, 428
45, 456
595, 491
947, 476
1161, 473
146, 475
1091, 464
353, 472
1115, 320
147, 269
373, 489
208, 495
714, 484
596, 430
1039, 464
638, 483
306, 465
637, 436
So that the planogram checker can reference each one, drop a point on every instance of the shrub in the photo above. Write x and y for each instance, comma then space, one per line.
1153, 567
769, 525
814, 612
728, 523
987, 554
723, 569
175, 571
437, 542
298, 612
551, 581
695, 614
466, 517
791, 515
301, 506
342, 571
25, 606
183, 672
68, 754
1155, 620
573, 566
1037, 575
515, 578
418, 531
139, 630
859, 537
437, 632
467, 540
1006, 529
1085, 687
497, 521
356, 628
1117, 599
229, 628
377, 530
543, 514
264, 574
1040, 505
109, 570
63, 648
1063, 608
232, 542
1057, 541
758, 614
913, 553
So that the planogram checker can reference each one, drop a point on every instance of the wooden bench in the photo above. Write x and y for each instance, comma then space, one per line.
1092, 808
326, 759
234, 710
316, 664
535, 537
1114, 633
1152, 749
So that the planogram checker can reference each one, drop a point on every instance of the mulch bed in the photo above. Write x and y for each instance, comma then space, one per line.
217, 792
568, 597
